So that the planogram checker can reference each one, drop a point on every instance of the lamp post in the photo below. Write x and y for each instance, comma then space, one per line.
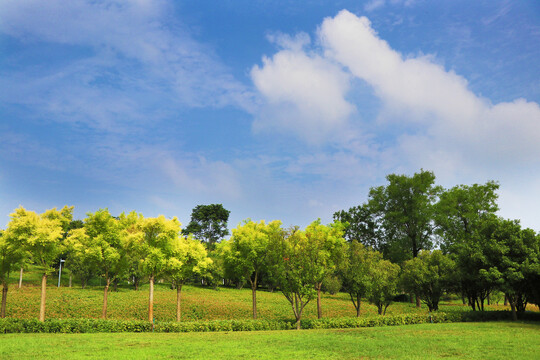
60, 272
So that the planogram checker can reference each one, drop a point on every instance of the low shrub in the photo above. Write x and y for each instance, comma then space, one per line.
10, 325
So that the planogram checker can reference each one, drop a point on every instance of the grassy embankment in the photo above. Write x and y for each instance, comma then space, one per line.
198, 303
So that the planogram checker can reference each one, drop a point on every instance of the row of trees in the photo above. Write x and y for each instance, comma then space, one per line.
375, 250
103, 245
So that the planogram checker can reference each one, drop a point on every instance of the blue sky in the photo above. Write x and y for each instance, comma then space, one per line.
285, 110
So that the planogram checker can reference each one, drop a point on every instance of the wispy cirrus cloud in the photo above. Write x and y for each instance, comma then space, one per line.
130, 55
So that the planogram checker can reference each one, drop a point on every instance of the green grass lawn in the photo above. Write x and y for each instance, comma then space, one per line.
496, 340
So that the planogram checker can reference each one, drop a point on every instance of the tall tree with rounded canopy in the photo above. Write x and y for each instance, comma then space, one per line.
100, 243
405, 208
461, 217
41, 236
429, 275
325, 247
155, 237
384, 277
247, 251
188, 258
292, 266
208, 223
355, 271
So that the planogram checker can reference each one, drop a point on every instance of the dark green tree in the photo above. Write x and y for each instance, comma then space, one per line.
462, 215
429, 275
208, 224
361, 225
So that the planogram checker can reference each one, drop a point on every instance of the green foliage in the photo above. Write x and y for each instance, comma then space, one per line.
208, 223
382, 289
429, 275
69, 326
356, 271
361, 225
39, 235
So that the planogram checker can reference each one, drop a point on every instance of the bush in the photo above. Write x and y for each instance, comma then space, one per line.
9, 325
331, 284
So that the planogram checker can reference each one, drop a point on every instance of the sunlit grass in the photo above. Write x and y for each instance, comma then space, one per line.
497, 340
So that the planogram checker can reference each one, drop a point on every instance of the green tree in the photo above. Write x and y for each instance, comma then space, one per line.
246, 251
208, 223
80, 257
361, 224
41, 236
383, 282
325, 249
429, 275
188, 258
292, 266
12, 258
155, 238
462, 215
101, 244
405, 210
355, 271
511, 256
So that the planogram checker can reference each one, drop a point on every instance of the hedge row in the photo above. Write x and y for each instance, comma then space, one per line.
9, 325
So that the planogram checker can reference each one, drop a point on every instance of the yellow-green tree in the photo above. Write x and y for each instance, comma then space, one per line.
41, 236
153, 239
246, 251
188, 258
325, 247
11, 258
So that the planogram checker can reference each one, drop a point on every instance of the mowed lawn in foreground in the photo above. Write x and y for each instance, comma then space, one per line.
496, 340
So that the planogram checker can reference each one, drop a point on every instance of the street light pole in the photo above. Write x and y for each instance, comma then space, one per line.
60, 272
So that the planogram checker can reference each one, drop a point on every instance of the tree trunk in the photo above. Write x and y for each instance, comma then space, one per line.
319, 309
20, 278
513, 307
70, 278
488, 300
358, 299
43, 294
105, 298
505, 300
151, 300
178, 297
254, 294
418, 303
411, 298
4, 299
254, 298
115, 285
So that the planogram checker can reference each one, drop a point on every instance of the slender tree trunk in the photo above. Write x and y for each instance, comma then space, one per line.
20, 278
151, 300
115, 285
513, 307
488, 300
4, 299
105, 299
463, 299
418, 303
254, 294
43, 294
178, 299
70, 279
411, 298
254, 298
319, 308
505, 300
358, 299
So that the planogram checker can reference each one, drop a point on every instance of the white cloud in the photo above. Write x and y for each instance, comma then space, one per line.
419, 91
130, 54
